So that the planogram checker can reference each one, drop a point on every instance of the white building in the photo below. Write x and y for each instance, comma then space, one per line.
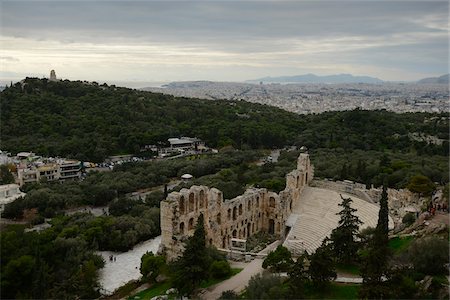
9, 193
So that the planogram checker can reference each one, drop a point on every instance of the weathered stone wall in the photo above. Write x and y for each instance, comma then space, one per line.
256, 210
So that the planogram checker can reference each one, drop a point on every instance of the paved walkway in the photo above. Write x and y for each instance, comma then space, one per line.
238, 282
126, 265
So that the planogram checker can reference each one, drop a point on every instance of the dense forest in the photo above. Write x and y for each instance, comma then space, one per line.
88, 121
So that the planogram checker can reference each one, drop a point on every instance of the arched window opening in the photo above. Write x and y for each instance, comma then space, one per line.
202, 199
191, 202
229, 214
219, 221
234, 213
271, 202
191, 224
240, 209
182, 228
181, 205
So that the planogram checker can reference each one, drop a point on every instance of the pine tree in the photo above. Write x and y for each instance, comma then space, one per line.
298, 277
343, 237
322, 265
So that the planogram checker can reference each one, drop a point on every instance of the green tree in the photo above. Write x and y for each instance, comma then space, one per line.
151, 265
6, 176
220, 269
322, 265
279, 260
375, 258
343, 237
193, 266
429, 255
229, 295
383, 214
421, 184
298, 277
265, 286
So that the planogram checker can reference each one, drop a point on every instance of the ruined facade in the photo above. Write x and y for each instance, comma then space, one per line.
256, 210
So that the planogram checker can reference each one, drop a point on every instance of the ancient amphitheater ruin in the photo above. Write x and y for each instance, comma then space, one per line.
301, 215
256, 210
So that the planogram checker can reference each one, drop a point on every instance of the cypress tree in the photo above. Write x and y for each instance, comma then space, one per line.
383, 213
375, 263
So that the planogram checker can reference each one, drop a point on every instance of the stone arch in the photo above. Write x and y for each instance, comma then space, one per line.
224, 242
240, 234
182, 205
210, 242
271, 202
240, 209
229, 214
234, 233
249, 227
257, 202
191, 202
306, 177
249, 204
234, 213
271, 226
201, 199
191, 224
244, 233
182, 227
219, 220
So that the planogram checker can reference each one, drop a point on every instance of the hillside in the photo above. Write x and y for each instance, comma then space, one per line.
312, 78
88, 121
444, 79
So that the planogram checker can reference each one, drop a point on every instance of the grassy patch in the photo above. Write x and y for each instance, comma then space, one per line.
334, 291
213, 281
162, 287
349, 269
400, 244
126, 289
155, 290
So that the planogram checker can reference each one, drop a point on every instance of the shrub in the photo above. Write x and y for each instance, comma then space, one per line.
220, 269
408, 219
429, 255
229, 295
264, 287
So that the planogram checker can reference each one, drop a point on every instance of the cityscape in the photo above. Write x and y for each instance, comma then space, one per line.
317, 98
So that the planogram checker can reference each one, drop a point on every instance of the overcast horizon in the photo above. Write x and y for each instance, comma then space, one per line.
151, 41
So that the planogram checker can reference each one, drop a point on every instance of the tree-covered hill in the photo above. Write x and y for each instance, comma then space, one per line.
88, 121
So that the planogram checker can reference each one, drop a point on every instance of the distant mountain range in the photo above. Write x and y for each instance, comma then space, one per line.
312, 78
439, 80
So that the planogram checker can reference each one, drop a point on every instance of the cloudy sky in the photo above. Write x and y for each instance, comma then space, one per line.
222, 40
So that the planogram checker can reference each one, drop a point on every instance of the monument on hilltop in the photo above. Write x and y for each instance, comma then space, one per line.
52, 75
